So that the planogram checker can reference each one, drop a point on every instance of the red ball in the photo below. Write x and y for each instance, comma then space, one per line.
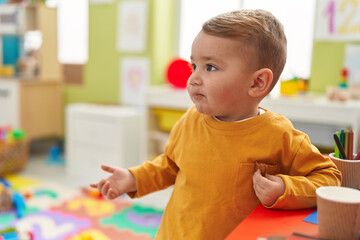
178, 72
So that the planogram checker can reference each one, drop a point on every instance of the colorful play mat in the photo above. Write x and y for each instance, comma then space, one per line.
54, 212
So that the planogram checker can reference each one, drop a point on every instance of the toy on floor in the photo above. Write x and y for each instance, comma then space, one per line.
13, 149
92, 192
74, 215
54, 157
9, 135
12, 234
19, 204
11, 199
5, 198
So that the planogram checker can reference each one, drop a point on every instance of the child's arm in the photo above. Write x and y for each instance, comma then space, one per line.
121, 181
301, 174
302, 181
154, 175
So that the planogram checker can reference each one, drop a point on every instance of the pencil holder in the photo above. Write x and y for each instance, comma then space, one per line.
350, 171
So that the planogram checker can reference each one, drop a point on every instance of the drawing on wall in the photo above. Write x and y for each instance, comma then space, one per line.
134, 79
352, 63
337, 20
132, 26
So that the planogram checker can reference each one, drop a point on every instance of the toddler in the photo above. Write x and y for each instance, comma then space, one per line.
213, 150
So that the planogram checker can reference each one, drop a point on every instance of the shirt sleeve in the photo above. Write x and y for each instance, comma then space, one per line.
161, 172
154, 175
309, 170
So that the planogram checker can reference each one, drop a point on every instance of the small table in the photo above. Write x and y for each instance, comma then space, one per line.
263, 222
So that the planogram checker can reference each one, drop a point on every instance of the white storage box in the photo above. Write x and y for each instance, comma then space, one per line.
9, 103
98, 134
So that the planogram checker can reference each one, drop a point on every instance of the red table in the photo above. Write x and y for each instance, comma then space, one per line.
263, 222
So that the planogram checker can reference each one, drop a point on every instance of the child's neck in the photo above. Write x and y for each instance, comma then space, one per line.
238, 118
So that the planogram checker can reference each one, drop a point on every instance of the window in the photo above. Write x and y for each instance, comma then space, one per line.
193, 13
296, 16
298, 20
73, 18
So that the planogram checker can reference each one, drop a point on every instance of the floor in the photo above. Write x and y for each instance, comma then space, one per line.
39, 168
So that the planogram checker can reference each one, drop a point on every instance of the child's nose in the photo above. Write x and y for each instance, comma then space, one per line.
194, 79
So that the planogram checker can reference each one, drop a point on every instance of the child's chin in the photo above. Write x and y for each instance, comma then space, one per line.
199, 108
202, 110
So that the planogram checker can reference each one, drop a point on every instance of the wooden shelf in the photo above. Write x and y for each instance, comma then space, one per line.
35, 106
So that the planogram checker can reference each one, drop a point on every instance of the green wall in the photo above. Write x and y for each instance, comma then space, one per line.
163, 43
101, 73
327, 61
326, 64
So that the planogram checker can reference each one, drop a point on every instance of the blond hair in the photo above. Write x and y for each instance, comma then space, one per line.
261, 36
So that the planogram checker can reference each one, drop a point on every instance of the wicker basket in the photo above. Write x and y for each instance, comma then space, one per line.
13, 156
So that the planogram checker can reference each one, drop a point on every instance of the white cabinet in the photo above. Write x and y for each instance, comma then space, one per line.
9, 103
98, 134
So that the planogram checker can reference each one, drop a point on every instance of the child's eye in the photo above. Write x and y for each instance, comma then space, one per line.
193, 67
210, 68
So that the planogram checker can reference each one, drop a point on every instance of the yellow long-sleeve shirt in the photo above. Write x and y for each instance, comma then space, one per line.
211, 165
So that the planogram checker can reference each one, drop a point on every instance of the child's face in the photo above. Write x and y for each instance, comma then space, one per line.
221, 78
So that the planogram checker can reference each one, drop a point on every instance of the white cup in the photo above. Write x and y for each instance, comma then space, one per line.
338, 213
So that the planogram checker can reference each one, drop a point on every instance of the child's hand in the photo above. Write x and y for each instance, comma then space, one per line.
268, 188
121, 181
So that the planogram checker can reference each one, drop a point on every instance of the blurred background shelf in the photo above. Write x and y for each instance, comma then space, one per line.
312, 114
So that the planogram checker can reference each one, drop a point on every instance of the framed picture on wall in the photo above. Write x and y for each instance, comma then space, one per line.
337, 20
134, 79
132, 26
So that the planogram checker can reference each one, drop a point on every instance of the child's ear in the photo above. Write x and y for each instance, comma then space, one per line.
261, 82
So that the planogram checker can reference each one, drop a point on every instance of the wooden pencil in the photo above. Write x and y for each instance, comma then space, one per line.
351, 144
341, 149
346, 142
